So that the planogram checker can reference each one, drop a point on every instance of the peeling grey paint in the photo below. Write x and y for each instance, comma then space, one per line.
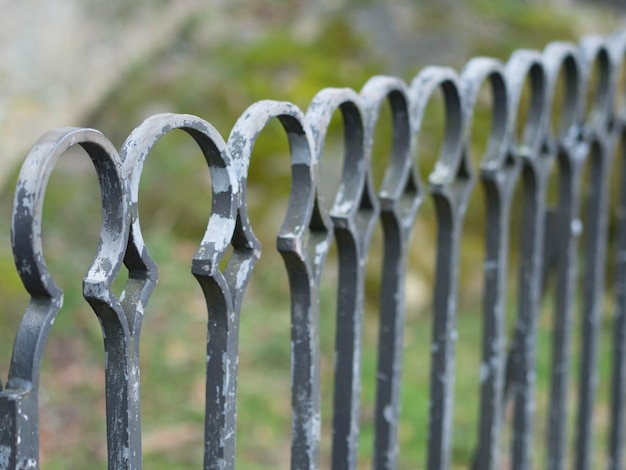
307, 233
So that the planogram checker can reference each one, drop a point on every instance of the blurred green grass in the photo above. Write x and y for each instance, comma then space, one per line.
217, 82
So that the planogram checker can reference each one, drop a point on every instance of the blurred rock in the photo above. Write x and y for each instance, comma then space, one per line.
61, 56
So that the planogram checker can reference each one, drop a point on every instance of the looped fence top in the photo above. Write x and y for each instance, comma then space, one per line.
559, 102
26, 238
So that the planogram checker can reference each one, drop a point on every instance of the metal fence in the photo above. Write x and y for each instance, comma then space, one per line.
560, 109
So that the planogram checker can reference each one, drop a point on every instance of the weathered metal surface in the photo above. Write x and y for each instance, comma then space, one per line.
303, 241
498, 173
20, 447
399, 196
535, 161
221, 387
353, 214
618, 385
569, 151
598, 135
549, 114
449, 184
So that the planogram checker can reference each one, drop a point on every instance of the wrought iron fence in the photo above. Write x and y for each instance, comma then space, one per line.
574, 115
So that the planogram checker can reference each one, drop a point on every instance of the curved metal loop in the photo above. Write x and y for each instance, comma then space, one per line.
563, 69
474, 74
221, 353
28, 207
450, 184
594, 51
318, 115
401, 188
302, 262
598, 134
221, 224
400, 195
26, 237
525, 64
452, 165
584, 130
354, 213
564, 57
302, 208
617, 47
355, 205
19, 402
499, 171
536, 158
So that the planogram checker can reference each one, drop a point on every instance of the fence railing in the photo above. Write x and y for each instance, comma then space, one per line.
560, 109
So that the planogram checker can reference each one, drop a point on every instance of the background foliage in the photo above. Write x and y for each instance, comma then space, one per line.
274, 52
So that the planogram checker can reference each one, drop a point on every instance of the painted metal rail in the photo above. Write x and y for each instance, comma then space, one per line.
562, 109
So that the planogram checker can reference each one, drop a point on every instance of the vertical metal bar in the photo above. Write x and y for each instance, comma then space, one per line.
120, 346
222, 292
562, 230
303, 258
21, 394
450, 184
524, 361
498, 174
10, 427
601, 149
618, 379
399, 197
306, 419
535, 169
223, 297
566, 234
354, 212
618, 385
444, 340
594, 249
492, 366
348, 350
390, 341
19, 419
122, 398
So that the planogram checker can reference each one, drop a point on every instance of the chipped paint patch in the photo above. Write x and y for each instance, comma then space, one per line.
5, 457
